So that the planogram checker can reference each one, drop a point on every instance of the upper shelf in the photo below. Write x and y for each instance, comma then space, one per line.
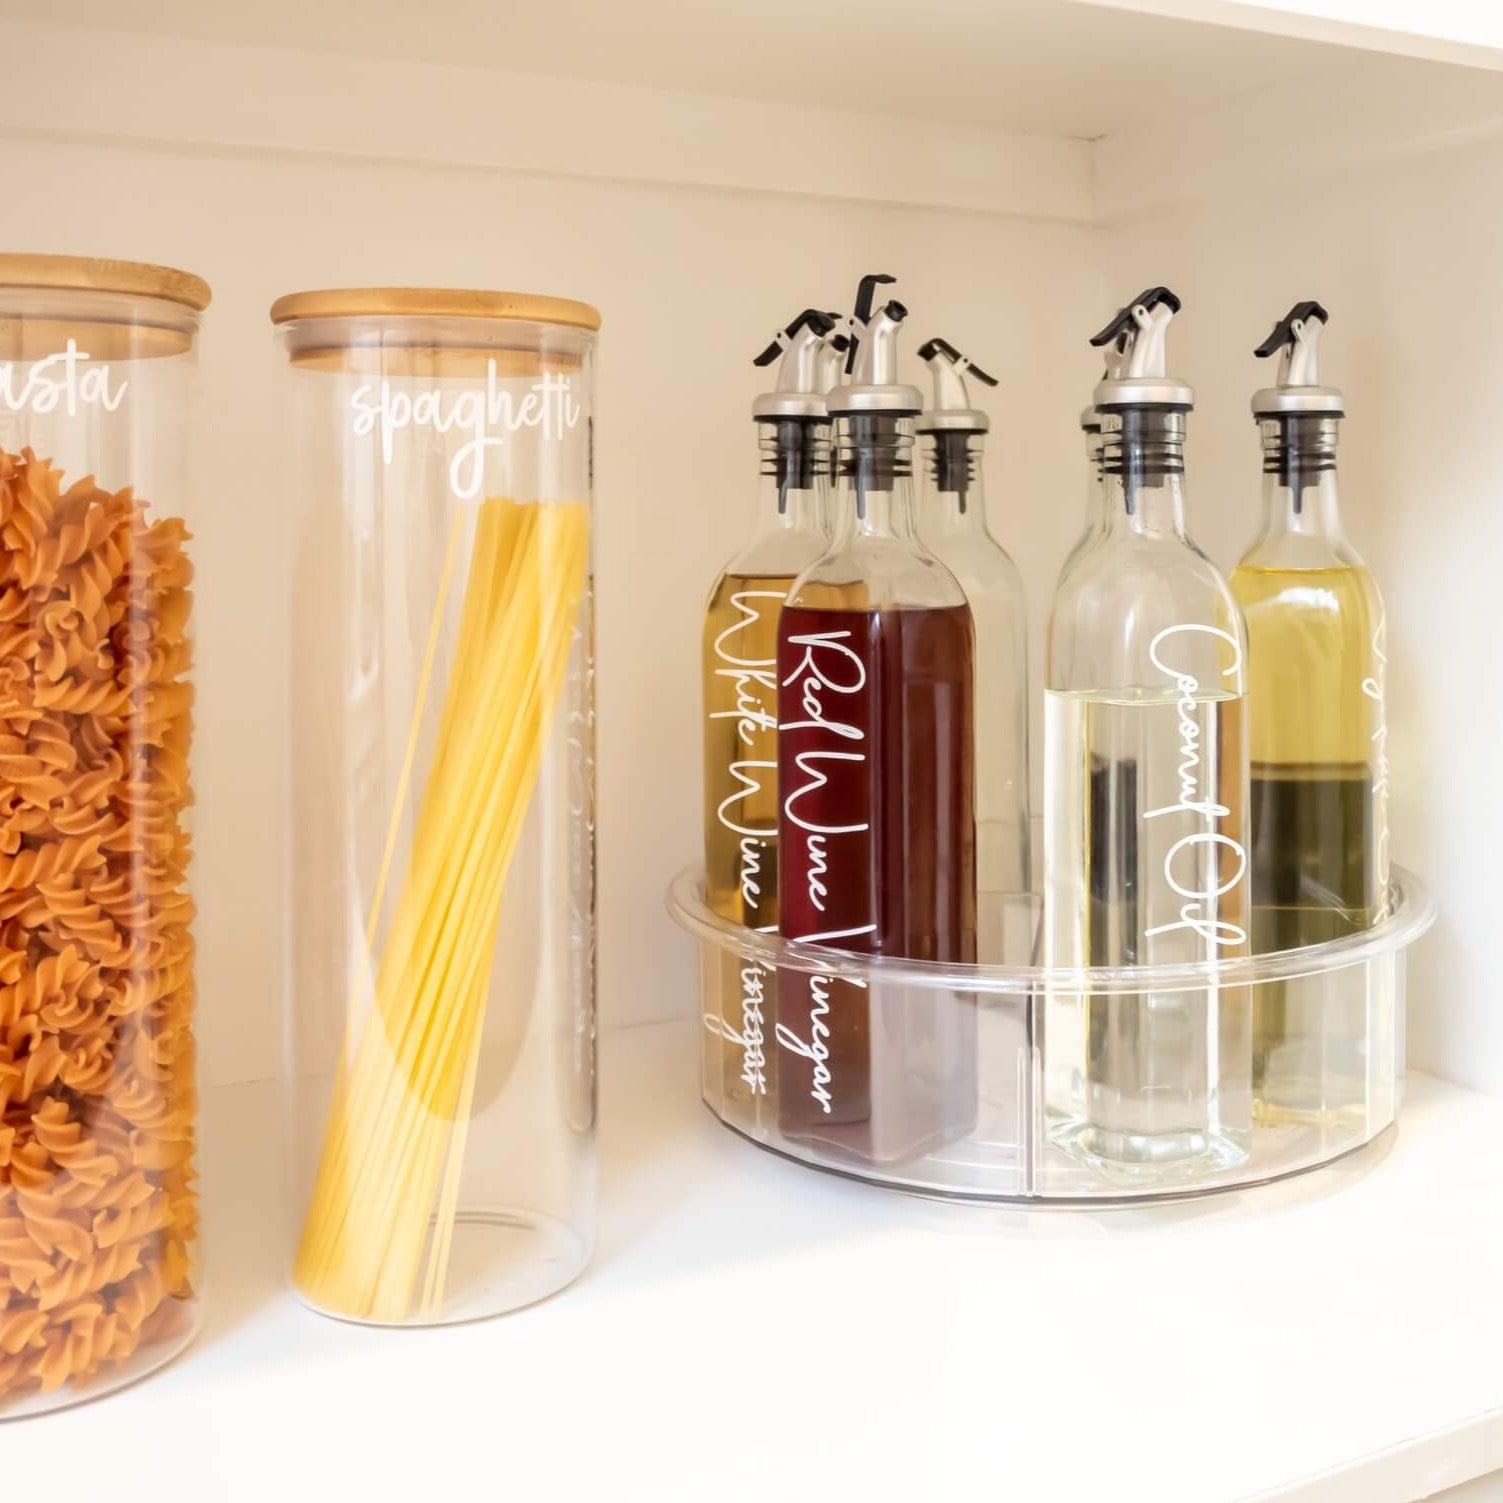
965, 104
1043, 66
1455, 31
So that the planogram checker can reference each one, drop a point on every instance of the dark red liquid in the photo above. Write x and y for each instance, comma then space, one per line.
876, 844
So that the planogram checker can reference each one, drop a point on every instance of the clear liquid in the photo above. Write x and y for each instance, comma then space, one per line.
1145, 863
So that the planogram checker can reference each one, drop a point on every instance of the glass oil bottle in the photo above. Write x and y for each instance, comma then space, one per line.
877, 836
740, 701
953, 524
1146, 801
1315, 628
1090, 426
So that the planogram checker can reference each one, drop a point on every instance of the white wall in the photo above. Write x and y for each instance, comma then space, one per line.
1404, 251
1251, 216
691, 283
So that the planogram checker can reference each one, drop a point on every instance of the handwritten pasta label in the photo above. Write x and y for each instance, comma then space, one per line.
66, 381
486, 418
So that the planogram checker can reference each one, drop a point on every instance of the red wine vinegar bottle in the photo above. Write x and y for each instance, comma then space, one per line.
877, 835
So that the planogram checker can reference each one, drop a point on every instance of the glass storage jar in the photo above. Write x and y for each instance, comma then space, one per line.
441, 1003
98, 1205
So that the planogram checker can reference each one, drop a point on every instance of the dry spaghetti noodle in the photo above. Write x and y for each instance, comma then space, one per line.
387, 1181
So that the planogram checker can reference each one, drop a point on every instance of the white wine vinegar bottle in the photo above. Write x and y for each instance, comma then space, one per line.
1318, 739
952, 522
1146, 798
740, 703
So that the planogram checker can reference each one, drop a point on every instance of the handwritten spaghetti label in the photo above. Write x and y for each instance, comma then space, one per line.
486, 419
66, 381
1199, 913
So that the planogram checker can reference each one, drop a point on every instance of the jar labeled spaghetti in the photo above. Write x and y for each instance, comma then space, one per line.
98, 1205
441, 1017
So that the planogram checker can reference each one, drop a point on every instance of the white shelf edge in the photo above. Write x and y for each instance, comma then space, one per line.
210, 96
1448, 31
1415, 1468
718, 1265
1376, 107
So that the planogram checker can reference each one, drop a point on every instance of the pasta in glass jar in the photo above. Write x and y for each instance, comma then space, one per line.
98, 1205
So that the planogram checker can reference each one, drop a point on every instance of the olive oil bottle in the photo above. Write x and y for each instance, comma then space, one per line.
1318, 740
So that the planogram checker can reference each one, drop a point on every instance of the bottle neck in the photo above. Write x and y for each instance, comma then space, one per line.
954, 493
1299, 475
874, 477
1095, 480
1143, 466
795, 460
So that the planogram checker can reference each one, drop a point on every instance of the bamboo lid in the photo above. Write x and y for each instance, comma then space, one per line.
433, 302
108, 310
94, 274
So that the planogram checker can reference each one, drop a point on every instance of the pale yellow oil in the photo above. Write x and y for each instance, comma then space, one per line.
1318, 736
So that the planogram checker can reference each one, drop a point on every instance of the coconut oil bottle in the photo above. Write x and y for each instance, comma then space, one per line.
1146, 800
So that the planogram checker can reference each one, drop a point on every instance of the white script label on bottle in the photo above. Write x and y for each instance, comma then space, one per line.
829, 748
1199, 913
1376, 689
749, 700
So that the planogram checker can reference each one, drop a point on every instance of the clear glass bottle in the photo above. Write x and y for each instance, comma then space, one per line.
739, 666
953, 524
99, 1250
1095, 508
877, 835
1146, 799
440, 1005
1318, 736
1096, 518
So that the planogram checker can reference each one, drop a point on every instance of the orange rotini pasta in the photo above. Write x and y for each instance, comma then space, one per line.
98, 1208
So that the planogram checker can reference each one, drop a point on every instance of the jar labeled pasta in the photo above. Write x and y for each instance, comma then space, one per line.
441, 1018
98, 1207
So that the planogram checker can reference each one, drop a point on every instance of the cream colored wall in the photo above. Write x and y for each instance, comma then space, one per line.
1404, 250
1394, 223
691, 282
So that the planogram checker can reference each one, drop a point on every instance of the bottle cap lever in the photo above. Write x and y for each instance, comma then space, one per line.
951, 409
1296, 341
872, 361
1137, 357
798, 392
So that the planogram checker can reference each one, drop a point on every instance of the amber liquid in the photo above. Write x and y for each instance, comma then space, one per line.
877, 854
741, 819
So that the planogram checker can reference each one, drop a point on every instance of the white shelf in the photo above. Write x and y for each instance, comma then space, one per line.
750, 1329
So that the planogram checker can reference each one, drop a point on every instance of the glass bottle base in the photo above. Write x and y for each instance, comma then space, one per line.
1141, 1160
